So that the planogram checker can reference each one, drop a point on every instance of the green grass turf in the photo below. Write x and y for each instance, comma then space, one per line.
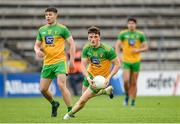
98, 110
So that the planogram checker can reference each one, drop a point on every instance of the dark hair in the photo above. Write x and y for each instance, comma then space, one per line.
51, 9
132, 19
94, 29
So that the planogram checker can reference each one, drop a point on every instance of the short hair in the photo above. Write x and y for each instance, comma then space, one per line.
132, 19
51, 9
94, 29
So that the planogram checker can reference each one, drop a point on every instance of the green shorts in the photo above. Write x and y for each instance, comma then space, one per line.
51, 71
131, 66
86, 84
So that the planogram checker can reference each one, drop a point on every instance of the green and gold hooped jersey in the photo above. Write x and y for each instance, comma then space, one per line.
99, 59
130, 41
53, 42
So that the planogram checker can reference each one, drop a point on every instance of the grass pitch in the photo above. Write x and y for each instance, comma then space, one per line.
100, 109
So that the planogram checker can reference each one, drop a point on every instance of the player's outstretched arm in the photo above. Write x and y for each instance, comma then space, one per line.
143, 48
72, 50
37, 49
115, 69
84, 63
118, 47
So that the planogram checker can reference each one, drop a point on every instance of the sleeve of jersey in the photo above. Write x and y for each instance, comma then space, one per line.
39, 37
111, 54
143, 38
84, 52
66, 32
120, 37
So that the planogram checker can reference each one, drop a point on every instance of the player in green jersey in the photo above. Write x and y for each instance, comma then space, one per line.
98, 57
50, 45
132, 42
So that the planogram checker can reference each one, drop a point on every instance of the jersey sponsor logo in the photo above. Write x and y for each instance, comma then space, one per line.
95, 60
49, 39
131, 42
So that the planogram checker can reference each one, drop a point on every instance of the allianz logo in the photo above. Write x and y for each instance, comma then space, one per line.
19, 87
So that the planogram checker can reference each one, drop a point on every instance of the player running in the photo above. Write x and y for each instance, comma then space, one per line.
98, 58
132, 42
50, 45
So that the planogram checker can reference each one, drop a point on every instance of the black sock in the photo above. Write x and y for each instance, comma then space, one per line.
133, 102
69, 108
53, 102
127, 95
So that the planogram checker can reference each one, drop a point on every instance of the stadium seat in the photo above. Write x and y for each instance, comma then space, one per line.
20, 20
